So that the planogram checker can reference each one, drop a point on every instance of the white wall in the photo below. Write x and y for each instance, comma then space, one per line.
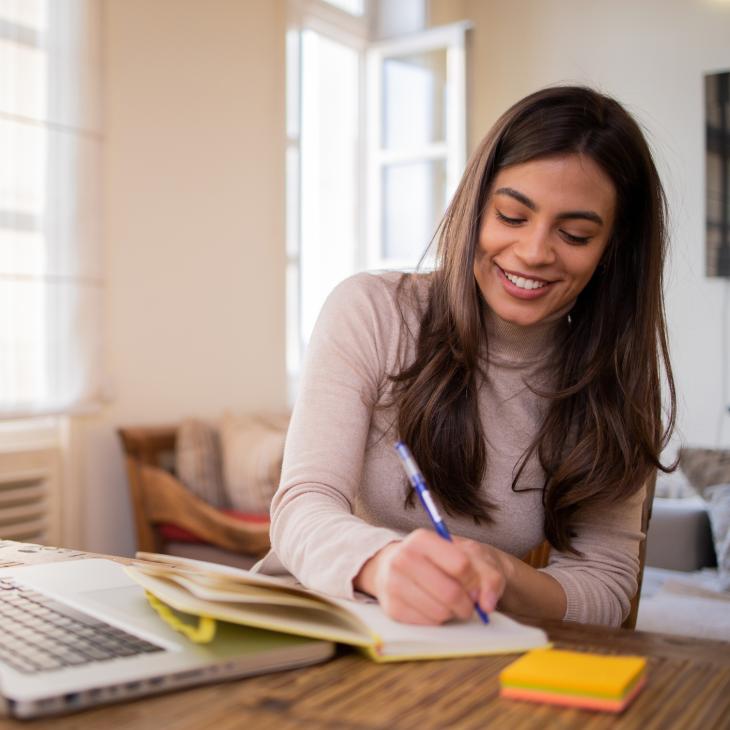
651, 55
194, 228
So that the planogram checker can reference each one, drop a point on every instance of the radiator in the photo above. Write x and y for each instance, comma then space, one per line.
29, 495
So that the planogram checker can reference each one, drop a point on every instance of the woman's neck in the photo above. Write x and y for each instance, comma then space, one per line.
516, 344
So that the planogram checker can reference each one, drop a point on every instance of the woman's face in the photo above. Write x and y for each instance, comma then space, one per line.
545, 227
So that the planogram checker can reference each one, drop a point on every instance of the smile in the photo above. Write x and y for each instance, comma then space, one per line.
524, 283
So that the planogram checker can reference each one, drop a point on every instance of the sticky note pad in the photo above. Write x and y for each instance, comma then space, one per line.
577, 679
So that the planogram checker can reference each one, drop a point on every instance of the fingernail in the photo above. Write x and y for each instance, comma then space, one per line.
491, 601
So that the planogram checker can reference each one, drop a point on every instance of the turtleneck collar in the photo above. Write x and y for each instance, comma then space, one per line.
518, 345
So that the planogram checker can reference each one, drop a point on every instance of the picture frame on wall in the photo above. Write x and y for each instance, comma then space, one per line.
717, 174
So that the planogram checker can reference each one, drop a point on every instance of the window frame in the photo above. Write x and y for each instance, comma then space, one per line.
355, 32
352, 31
452, 150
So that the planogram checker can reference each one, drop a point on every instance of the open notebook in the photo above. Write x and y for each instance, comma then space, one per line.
214, 592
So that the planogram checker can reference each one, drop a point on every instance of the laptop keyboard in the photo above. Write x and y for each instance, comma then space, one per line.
38, 634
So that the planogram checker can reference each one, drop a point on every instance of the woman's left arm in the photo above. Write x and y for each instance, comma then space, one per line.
594, 587
600, 583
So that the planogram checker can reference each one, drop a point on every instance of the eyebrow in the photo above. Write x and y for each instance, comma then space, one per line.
587, 215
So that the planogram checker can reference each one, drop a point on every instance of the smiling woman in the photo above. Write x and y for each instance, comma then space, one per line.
523, 373
546, 226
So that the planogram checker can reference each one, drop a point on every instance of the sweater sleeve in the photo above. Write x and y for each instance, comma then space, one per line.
599, 585
314, 533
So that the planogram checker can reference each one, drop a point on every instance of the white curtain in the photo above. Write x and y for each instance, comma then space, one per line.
51, 272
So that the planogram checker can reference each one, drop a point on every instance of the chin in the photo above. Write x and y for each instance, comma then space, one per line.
524, 320
520, 316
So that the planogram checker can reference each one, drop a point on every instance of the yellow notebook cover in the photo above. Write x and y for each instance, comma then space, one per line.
578, 673
214, 592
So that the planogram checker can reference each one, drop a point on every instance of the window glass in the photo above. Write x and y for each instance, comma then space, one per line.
414, 198
354, 7
414, 95
329, 172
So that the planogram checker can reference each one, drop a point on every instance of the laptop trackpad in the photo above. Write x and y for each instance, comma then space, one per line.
128, 608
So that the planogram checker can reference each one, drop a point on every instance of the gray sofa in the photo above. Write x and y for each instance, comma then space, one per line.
680, 536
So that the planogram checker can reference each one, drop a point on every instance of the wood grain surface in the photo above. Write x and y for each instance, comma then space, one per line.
688, 686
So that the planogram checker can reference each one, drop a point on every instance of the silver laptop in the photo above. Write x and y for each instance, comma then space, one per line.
81, 633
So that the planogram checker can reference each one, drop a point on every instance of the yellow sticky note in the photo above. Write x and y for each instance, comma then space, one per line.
575, 673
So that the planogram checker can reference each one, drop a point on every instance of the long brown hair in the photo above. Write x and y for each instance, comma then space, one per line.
608, 373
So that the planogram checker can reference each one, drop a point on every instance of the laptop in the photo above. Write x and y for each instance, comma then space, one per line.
81, 633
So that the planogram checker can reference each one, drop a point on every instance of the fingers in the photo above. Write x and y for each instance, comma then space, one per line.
412, 604
437, 594
427, 580
446, 556
492, 579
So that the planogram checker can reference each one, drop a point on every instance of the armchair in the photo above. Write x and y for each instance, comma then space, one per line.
170, 518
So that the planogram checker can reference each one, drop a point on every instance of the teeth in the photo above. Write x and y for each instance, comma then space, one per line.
525, 283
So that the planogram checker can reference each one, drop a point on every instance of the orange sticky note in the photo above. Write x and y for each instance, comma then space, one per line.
575, 679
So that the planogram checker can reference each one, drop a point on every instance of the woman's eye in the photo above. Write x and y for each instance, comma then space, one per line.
509, 221
579, 240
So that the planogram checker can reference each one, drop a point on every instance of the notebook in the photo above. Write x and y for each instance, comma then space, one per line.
575, 679
81, 633
179, 588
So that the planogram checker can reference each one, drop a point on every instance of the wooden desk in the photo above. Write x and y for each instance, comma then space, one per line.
688, 687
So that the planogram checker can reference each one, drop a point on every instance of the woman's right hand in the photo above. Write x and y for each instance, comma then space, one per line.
425, 579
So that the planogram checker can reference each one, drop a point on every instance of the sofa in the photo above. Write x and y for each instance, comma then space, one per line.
688, 528
680, 535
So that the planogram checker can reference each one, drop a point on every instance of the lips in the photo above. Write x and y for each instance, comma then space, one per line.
523, 286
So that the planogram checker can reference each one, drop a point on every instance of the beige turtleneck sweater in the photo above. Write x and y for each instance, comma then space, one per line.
341, 496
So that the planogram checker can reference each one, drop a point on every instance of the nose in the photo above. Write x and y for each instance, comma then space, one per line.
535, 247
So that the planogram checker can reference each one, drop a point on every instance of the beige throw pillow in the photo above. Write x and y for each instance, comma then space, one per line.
198, 462
252, 448
705, 467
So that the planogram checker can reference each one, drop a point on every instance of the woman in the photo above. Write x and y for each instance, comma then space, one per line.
524, 374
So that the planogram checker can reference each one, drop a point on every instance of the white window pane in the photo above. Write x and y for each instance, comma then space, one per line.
354, 7
38, 319
329, 145
51, 279
414, 199
22, 252
23, 342
32, 14
51, 73
23, 79
39, 160
24, 154
414, 99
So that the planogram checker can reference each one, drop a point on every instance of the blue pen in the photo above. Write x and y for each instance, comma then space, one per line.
419, 484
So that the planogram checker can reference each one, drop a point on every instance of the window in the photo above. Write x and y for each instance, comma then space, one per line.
51, 282
416, 150
376, 146
354, 7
